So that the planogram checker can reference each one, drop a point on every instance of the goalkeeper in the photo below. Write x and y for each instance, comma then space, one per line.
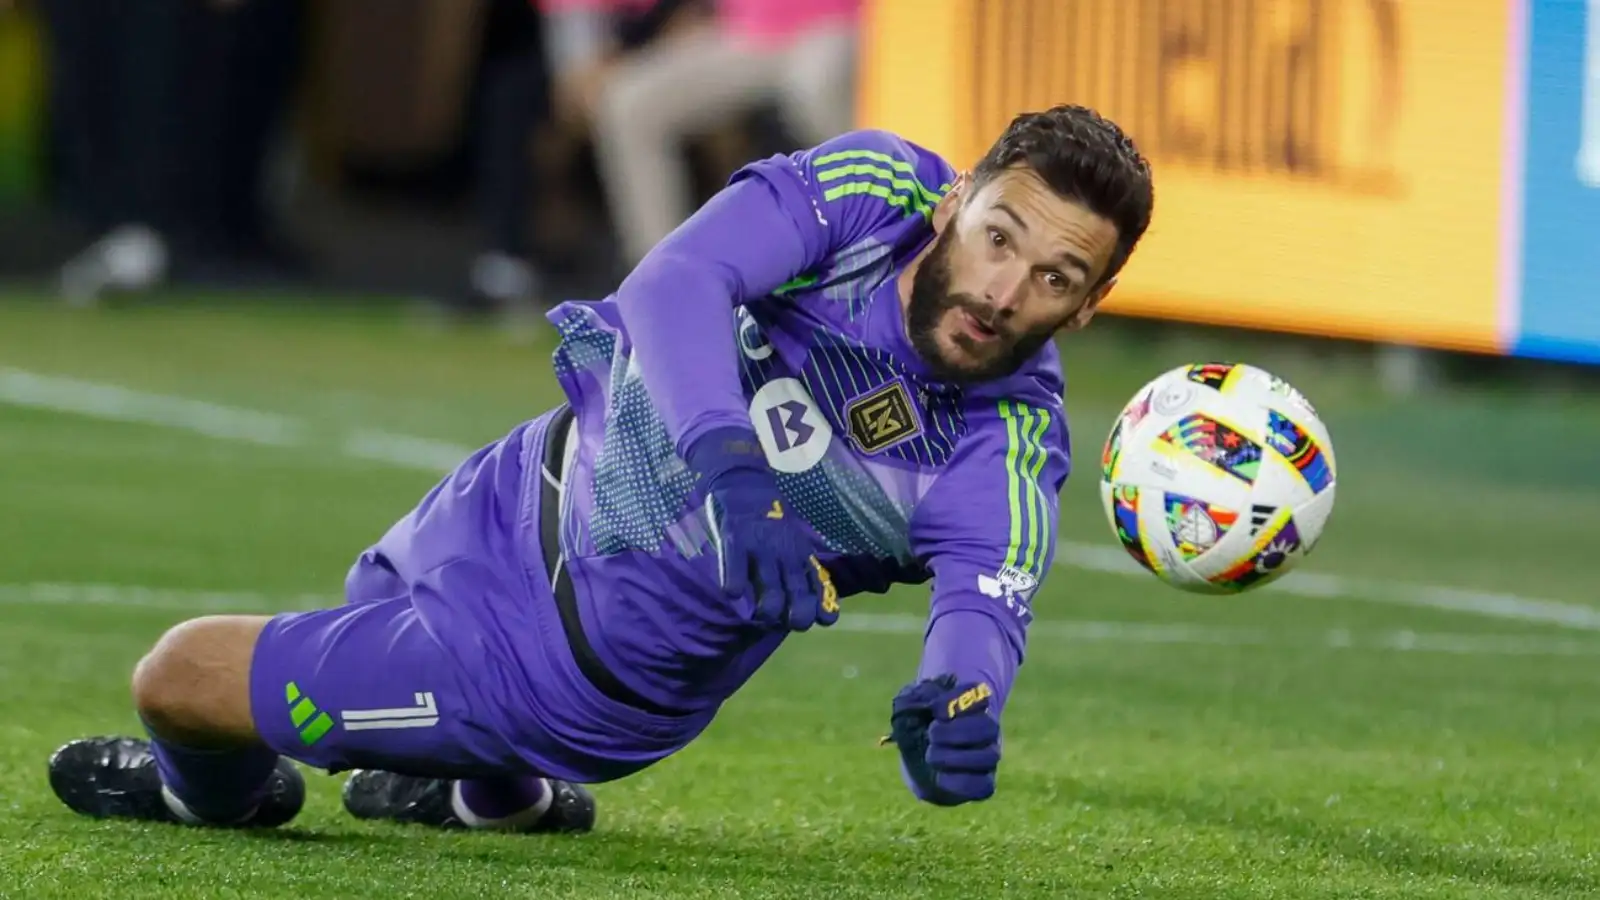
838, 375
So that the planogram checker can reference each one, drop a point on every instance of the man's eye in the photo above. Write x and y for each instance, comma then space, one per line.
1056, 281
997, 238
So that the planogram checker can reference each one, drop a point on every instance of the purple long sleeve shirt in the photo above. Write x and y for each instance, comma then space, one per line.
775, 307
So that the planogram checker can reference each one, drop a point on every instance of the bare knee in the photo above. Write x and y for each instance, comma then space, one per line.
194, 684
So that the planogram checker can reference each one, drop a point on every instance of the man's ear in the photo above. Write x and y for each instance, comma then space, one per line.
945, 210
1080, 319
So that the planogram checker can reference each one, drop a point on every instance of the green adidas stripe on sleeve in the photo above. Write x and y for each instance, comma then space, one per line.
850, 172
1026, 503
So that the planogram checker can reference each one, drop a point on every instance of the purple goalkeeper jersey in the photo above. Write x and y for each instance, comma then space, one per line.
776, 307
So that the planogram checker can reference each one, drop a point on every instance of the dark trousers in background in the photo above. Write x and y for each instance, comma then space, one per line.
515, 97
163, 113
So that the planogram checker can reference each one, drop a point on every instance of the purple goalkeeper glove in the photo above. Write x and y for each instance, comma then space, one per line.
948, 741
760, 545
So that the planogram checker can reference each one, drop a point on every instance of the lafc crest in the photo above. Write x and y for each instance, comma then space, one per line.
882, 418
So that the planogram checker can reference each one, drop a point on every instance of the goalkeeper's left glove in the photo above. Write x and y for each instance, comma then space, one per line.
948, 740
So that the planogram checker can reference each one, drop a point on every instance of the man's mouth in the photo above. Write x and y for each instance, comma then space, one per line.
975, 327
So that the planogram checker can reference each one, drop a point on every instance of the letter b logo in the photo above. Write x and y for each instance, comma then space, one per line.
794, 434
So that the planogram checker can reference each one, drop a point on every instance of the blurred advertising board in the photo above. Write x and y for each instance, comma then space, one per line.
1392, 170
1556, 294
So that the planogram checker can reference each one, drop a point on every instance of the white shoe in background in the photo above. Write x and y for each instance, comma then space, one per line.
513, 287
129, 258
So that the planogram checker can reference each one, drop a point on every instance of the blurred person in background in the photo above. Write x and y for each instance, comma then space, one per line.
162, 115
796, 54
543, 60
515, 99
589, 40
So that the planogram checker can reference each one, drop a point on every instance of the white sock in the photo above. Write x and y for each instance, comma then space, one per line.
189, 816
514, 822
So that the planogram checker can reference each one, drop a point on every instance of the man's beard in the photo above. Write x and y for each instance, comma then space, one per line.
931, 299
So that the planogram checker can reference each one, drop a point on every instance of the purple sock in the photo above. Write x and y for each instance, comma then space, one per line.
221, 786
502, 798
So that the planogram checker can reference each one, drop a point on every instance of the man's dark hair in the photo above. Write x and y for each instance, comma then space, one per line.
1083, 157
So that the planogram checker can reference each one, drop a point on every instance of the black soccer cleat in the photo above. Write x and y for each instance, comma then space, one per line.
374, 794
116, 778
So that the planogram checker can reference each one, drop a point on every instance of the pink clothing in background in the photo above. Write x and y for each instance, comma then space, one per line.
556, 6
780, 21
766, 22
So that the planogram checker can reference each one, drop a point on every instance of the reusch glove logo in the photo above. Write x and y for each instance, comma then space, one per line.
968, 699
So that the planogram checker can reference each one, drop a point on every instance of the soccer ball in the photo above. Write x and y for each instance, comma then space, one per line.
1218, 477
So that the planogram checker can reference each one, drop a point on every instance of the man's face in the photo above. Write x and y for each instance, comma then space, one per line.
1012, 263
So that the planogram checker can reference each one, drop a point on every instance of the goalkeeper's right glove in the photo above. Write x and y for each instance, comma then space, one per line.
761, 546
948, 739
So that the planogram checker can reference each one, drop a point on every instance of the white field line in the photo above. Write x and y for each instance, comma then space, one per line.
176, 599
403, 450
859, 623
112, 402
106, 401
1310, 584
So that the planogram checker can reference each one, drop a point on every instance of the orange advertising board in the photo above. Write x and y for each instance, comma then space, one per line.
1326, 166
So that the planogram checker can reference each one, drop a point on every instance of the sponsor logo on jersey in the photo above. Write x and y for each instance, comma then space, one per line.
794, 433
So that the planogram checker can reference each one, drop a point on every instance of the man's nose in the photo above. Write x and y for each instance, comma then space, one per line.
1006, 287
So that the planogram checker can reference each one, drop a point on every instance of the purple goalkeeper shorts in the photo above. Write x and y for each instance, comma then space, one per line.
451, 657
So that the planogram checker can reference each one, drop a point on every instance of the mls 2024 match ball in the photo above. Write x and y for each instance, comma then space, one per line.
1218, 477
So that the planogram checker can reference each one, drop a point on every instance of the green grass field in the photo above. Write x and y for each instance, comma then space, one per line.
1341, 740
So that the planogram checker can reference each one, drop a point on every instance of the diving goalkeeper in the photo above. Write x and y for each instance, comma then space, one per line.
838, 375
